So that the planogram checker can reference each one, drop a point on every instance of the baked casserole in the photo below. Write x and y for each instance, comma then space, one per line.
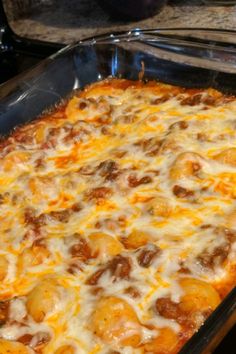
118, 220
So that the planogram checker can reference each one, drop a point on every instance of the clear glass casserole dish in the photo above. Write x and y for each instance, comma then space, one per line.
188, 58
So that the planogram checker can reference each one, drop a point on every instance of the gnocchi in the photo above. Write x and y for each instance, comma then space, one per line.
198, 296
136, 239
12, 347
42, 299
116, 322
3, 267
31, 257
160, 206
166, 342
65, 349
227, 157
104, 245
186, 165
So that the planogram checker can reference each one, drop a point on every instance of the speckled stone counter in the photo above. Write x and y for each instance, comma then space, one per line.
68, 21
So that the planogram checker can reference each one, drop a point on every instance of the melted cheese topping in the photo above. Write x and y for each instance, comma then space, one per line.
116, 211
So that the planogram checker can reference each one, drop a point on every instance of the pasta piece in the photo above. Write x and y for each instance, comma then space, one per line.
31, 257
198, 296
227, 156
42, 299
115, 322
186, 165
3, 267
65, 349
136, 239
14, 160
167, 342
104, 245
230, 220
12, 347
159, 206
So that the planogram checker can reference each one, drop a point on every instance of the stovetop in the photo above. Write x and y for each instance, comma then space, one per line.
13, 63
18, 54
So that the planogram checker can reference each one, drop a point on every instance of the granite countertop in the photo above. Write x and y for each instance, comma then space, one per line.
68, 21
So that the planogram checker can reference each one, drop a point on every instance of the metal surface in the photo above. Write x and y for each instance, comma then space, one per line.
196, 58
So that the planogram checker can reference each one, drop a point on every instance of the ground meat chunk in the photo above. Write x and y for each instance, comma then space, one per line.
81, 250
150, 146
60, 215
52, 138
192, 100
210, 259
119, 268
74, 267
64, 214
111, 224
39, 163
24, 137
228, 234
181, 192
99, 193
181, 124
199, 98
31, 218
87, 170
4, 311
108, 169
25, 339
210, 100
82, 105
161, 99
94, 278
147, 255
1, 199
169, 309
132, 292
135, 182
205, 226
35, 341
172, 310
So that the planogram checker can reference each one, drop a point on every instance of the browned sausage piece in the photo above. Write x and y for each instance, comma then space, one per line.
181, 124
31, 218
94, 278
35, 341
119, 268
99, 193
161, 99
192, 100
108, 169
211, 259
133, 292
81, 250
60, 215
147, 255
135, 182
4, 312
181, 192
150, 146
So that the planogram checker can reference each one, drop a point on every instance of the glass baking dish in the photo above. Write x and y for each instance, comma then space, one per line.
185, 57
